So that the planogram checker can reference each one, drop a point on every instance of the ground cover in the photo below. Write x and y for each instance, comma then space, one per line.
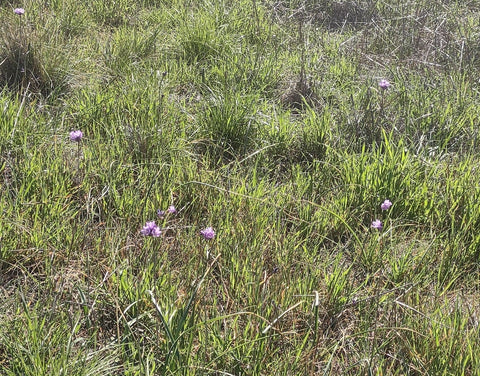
239, 187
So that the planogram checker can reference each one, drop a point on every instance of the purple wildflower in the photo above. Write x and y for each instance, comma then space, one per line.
171, 210
76, 136
151, 229
208, 233
161, 213
19, 11
377, 224
386, 205
384, 84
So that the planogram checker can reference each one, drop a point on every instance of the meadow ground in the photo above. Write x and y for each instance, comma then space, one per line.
312, 168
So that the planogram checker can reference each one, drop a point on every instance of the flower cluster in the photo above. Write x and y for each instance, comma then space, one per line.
151, 229
76, 136
386, 205
171, 210
208, 233
384, 84
19, 11
377, 224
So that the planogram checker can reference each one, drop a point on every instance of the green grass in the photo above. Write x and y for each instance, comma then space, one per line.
264, 120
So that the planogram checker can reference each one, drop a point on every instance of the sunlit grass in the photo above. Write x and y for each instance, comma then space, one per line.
231, 188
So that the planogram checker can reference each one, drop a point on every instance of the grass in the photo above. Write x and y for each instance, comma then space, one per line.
261, 119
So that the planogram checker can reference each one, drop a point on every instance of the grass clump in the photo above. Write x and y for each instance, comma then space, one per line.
20, 68
36, 345
229, 124
29, 62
